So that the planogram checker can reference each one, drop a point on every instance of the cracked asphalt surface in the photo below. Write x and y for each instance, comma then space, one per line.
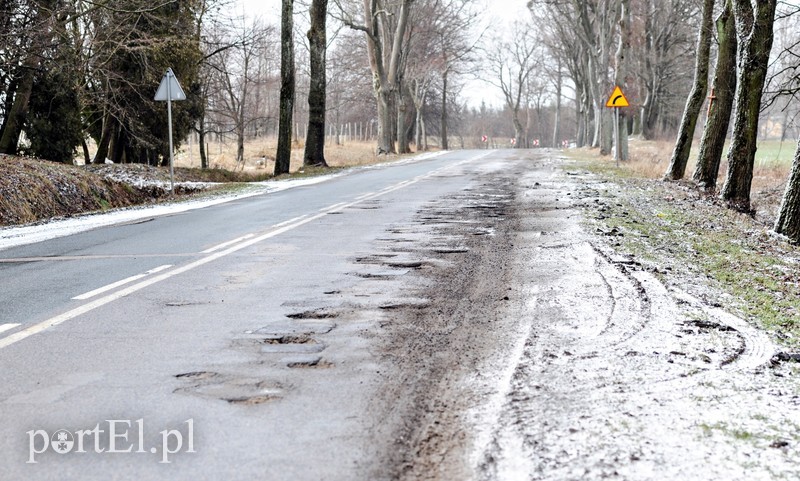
445, 319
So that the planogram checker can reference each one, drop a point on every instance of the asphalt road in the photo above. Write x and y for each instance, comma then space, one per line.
452, 318
99, 324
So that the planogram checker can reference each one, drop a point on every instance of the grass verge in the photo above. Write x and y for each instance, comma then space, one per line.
696, 244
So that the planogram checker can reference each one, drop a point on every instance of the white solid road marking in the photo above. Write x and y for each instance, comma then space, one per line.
290, 221
149, 281
114, 285
363, 196
226, 244
7, 327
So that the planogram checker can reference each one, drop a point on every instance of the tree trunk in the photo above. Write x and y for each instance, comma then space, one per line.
754, 24
597, 112
525, 142
9, 141
785, 124
445, 145
683, 145
283, 157
557, 119
606, 130
317, 39
788, 222
87, 158
419, 108
620, 77
240, 144
723, 88
109, 126
518, 130
385, 122
118, 147
581, 118
424, 135
402, 118
606, 119
201, 136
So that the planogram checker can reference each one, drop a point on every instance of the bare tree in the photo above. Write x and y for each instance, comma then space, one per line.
662, 61
512, 63
349, 83
384, 25
234, 73
583, 34
455, 41
43, 25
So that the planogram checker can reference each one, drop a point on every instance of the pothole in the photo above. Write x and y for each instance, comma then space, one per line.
306, 362
405, 265
251, 400
228, 388
184, 303
282, 344
315, 364
290, 339
315, 314
291, 328
377, 277
197, 375
456, 250
404, 305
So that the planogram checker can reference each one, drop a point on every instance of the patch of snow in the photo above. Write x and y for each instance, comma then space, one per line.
42, 231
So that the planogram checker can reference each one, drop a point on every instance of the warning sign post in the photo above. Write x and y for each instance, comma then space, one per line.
168, 91
616, 101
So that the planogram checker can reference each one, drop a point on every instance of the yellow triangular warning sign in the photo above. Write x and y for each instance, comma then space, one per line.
617, 99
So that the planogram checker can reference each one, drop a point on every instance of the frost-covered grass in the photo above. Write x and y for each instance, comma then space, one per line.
696, 241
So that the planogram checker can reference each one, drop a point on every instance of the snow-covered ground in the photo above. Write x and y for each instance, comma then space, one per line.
51, 229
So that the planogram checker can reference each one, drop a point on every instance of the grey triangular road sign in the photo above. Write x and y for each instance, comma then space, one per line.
169, 89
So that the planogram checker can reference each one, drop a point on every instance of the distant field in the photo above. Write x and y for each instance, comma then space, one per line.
770, 153
260, 155
773, 153
651, 158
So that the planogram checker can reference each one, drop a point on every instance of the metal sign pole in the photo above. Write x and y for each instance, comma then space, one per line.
616, 101
167, 92
169, 118
616, 135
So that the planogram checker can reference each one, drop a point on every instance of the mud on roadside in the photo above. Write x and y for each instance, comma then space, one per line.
542, 351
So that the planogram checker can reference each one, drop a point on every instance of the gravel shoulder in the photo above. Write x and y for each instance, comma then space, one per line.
533, 347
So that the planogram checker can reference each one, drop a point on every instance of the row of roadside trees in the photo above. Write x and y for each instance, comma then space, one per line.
81, 72
745, 36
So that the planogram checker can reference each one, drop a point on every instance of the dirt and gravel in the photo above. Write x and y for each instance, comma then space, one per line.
527, 347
